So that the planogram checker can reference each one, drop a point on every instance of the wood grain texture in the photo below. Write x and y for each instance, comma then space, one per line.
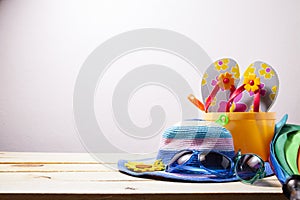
142, 197
81, 176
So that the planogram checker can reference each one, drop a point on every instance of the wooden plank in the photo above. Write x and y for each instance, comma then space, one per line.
115, 183
142, 196
66, 158
24, 157
25, 167
141, 186
65, 176
81, 176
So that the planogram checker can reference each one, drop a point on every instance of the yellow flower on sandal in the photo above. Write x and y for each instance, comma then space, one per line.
145, 167
221, 64
266, 71
274, 91
251, 82
205, 76
235, 70
249, 70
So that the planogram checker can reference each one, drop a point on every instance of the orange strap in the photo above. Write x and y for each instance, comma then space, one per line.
196, 102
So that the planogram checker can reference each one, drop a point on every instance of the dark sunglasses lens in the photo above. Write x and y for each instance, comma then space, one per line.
181, 157
248, 166
214, 161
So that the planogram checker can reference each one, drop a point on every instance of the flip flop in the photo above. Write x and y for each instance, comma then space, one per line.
291, 148
258, 91
218, 83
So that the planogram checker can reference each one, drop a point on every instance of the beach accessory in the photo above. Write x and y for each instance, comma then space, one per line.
252, 132
158, 165
284, 144
280, 152
258, 91
299, 160
203, 162
279, 169
248, 167
218, 83
290, 182
245, 110
291, 150
195, 135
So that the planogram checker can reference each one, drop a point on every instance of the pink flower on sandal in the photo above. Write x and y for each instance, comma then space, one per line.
235, 107
262, 91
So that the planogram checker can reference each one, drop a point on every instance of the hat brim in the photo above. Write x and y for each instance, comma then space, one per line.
166, 176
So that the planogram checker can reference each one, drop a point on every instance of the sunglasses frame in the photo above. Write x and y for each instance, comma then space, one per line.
174, 167
260, 172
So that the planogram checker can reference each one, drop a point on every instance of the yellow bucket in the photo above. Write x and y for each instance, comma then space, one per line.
252, 132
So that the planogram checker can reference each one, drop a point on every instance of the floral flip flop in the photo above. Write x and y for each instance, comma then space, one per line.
258, 91
218, 83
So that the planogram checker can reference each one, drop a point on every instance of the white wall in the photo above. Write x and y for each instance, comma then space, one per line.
43, 44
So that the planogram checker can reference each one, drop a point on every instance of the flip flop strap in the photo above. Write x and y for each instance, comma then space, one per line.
211, 97
256, 101
214, 93
196, 102
239, 91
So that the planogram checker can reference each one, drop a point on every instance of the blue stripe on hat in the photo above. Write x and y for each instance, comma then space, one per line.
191, 132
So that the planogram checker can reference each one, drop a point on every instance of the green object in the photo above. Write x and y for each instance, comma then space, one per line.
280, 145
280, 154
291, 150
222, 120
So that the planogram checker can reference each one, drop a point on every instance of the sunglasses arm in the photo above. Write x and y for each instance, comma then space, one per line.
196, 170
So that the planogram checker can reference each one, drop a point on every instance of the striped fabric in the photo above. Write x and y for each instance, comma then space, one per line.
197, 135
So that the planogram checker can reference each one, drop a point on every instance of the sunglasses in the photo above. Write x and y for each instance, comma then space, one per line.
247, 167
291, 188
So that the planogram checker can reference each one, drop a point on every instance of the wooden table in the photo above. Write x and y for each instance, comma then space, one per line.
79, 176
